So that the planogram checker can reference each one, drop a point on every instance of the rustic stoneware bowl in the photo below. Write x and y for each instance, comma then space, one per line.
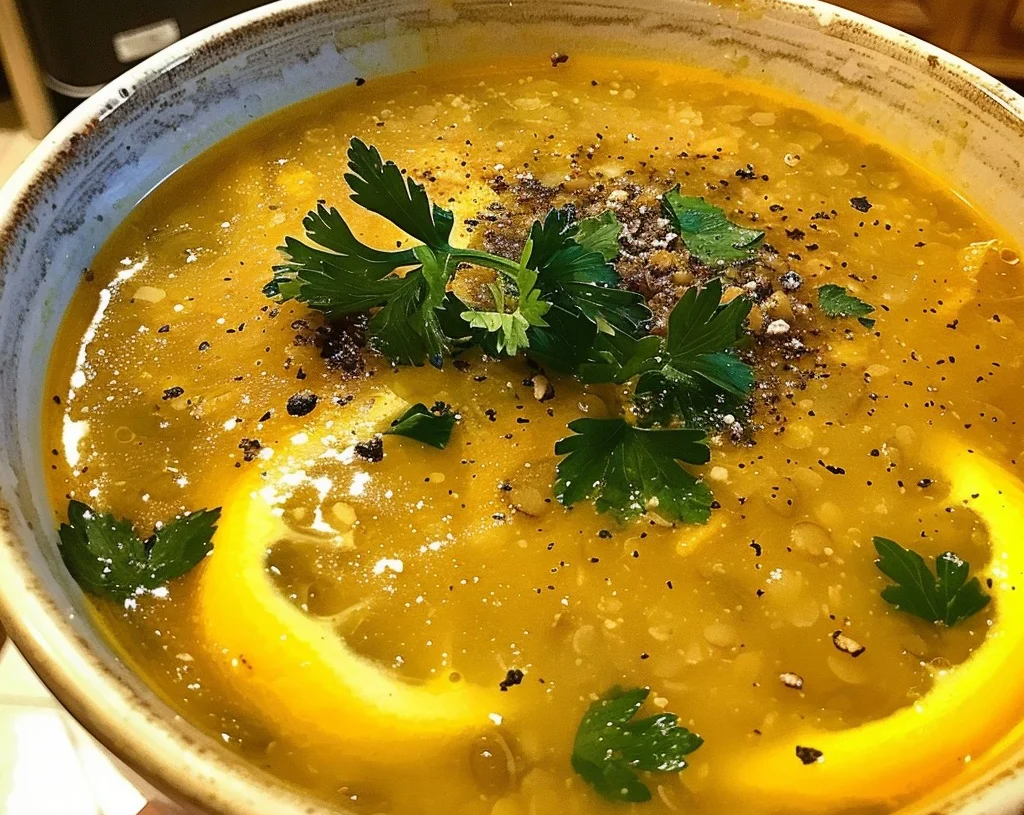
63, 203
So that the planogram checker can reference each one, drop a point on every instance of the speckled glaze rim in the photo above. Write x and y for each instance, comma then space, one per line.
145, 734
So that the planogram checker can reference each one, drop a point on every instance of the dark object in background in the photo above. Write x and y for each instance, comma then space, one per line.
82, 45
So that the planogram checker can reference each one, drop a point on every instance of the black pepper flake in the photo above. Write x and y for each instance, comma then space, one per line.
360, 81
163, 329
250, 448
809, 755
604, 533
796, 234
512, 678
925, 483
265, 416
172, 393
491, 414
372, 450
301, 403
558, 59
747, 172
860, 203
846, 644
831, 468
204, 346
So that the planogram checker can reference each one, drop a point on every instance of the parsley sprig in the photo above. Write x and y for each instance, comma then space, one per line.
107, 559
946, 596
559, 303
612, 747
410, 289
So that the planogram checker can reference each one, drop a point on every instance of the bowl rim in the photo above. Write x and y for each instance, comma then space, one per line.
148, 740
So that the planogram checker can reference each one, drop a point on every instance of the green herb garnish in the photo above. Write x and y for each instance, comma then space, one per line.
611, 747
631, 470
946, 597
600, 234
559, 304
709, 235
836, 301
431, 426
107, 559
692, 374
510, 327
417, 317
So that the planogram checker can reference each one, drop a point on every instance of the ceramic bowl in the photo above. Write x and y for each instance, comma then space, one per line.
100, 161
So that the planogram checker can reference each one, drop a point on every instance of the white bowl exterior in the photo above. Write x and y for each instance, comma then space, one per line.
89, 173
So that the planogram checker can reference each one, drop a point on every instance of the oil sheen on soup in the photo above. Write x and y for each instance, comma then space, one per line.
488, 627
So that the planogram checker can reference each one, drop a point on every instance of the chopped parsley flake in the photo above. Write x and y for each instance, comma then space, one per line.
431, 426
836, 301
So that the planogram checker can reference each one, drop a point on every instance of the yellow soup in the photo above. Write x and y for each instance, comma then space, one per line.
404, 629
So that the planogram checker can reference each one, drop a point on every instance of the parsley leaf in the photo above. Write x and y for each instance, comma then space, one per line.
564, 344
107, 559
406, 328
836, 301
946, 597
611, 746
631, 470
511, 327
559, 258
343, 278
711, 237
600, 234
431, 426
380, 187
354, 278
692, 373
575, 276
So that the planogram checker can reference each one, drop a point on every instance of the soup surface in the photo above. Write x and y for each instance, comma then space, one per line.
405, 629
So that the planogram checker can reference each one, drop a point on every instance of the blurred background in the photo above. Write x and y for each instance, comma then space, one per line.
54, 54
57, 52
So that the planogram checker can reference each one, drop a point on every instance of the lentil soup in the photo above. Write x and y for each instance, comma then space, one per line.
409, 610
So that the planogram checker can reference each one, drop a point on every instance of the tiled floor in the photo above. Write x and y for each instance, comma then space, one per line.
49, 765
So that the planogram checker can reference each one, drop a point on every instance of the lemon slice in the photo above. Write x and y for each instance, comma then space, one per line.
922, 746
295, 672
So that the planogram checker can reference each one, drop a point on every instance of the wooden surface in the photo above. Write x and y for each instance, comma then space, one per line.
989, 33
23, 75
